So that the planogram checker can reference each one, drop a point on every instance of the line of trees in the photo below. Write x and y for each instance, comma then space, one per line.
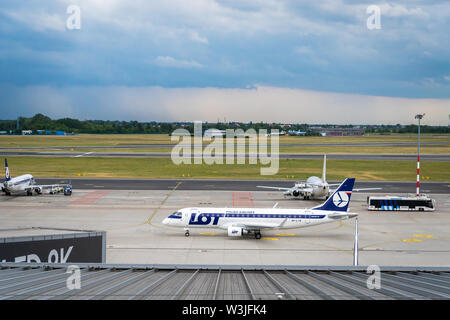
69, 125
406, 129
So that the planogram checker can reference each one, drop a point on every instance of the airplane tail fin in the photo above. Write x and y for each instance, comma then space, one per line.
7, 176
324, 172
340, 199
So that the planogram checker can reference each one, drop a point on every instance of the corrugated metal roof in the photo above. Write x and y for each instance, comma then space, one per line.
207, 282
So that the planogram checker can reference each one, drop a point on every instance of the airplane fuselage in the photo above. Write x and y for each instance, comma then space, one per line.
18, 184
319, 189
223, 218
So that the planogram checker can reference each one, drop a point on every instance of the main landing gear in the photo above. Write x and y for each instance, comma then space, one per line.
257, 235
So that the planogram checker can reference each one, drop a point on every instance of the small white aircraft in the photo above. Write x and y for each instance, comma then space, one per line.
26, 184
271, 134
241, 221
314, 187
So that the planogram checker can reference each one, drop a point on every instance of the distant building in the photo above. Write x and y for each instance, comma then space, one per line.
51, 132
338, 132
27, 132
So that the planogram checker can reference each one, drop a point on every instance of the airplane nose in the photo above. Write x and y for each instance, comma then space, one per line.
165, 221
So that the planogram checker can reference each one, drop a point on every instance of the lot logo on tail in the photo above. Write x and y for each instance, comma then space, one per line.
340, 199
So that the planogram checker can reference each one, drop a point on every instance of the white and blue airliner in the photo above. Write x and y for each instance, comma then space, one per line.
26, 184
242, 221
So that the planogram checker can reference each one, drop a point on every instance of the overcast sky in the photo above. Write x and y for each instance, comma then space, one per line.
262, 60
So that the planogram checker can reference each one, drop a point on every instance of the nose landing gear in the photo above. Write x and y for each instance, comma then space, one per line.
186, 234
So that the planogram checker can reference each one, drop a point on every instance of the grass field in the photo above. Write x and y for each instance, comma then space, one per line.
142, 139
164, 168
82, 140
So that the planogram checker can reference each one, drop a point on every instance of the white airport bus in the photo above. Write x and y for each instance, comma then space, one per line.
395, 203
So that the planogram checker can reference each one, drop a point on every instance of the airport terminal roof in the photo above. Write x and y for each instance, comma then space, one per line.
209, 282
37, 231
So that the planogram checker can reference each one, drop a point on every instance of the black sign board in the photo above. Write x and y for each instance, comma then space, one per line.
75, 248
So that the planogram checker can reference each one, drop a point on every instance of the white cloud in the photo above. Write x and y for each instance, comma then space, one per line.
308, 54
304, 50
397, 10
39, 20
174, 63
196, 37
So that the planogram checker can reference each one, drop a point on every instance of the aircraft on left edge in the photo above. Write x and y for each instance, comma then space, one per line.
26, 184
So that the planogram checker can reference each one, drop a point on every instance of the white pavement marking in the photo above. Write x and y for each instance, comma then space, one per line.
84, 154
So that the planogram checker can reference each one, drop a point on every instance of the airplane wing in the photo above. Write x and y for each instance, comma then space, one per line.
275, 188
366, 189
260, 225
342, 215
357, 190
291, 191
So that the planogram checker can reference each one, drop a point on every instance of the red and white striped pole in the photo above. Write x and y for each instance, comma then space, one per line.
418, 176
419, 117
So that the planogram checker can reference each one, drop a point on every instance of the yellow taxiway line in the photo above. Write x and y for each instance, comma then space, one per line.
149, 221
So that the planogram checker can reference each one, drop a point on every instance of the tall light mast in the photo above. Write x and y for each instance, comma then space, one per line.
418, 117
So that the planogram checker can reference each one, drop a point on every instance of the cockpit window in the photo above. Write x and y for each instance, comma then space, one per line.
176, 215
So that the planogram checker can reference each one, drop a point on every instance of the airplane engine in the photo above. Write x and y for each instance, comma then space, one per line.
236, 231
295, 193
38, 190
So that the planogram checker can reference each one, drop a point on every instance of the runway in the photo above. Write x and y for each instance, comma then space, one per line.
330, 156
170, 145
237, 185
